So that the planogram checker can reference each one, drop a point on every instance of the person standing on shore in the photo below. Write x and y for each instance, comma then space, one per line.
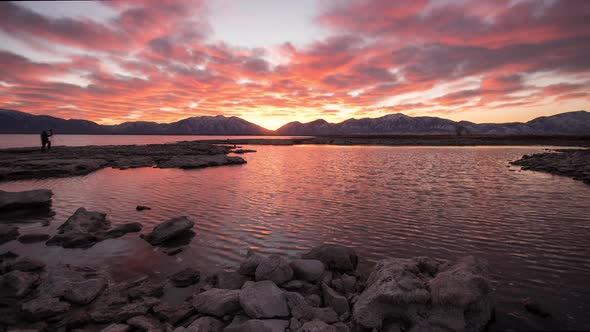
45, 139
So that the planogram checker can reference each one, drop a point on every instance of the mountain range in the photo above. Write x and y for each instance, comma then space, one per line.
571, 123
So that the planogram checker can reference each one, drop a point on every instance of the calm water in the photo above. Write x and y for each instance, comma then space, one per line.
27, 140
444, 202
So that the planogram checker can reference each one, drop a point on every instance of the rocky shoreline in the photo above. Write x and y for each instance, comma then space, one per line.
573, 163
64, 161
320, 291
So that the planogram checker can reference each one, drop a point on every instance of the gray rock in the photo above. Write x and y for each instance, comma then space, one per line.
143, 323
19, 284
294, 324
264, 300
185, 278
317, 326
217, 302
169, 230
173, 251
84, 221
341, 327
230, 280
205, 324
348, 283
426, 293
146, 288
293, 285
25, 199
26, 264
8, 233
300, 309
314, 300
334, 300
42, 308
116, 328
173, 313
33, 238
84, 292
249, 265
259, 325
275, 268
307, 269
334, 257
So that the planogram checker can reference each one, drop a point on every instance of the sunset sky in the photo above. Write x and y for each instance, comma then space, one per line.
271, 61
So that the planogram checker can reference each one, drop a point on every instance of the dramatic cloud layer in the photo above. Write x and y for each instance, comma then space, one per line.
495, 60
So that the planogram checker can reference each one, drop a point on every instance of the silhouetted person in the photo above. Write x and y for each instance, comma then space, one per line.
45, 139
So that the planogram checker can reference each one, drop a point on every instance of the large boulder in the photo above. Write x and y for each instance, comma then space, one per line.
25, 199
307, 269
217, 302
275, 268
8, 233
264, 299
334, 257
169, 230
424, 294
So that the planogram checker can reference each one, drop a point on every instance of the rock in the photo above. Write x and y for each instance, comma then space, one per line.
73, 240
175, 314
348, 283
259, 325
185, 278
142, 208
7, 255
230, 280
206, 324
294, 324
169, 230
25, 199
217, 302
317, 326
307, 269
275, 268
314, 300
84, 292
42, 308
33, 238
334, 257
8, 233
26, 264
146, 288
242, 151
116, 328
249, 265
19, 284
326, 315
535, 308
292, 285
426, 294
334, 300
300, 309
341, 327
143, 323
84, 221
120, 230
264, 300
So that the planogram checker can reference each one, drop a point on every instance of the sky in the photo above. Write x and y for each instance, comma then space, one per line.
275, 61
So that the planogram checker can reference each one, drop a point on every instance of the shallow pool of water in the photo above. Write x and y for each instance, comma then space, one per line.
444, 202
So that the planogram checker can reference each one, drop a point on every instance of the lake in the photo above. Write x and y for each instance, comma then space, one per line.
445, 202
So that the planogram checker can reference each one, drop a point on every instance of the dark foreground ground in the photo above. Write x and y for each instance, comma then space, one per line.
571, 163
417, 140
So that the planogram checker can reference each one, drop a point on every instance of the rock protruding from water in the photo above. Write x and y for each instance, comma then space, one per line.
275, 268
8, 233
169, 231
334, 257
426, 295
85, 228
31, 199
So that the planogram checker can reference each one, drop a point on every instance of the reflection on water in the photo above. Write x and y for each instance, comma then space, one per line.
443, 202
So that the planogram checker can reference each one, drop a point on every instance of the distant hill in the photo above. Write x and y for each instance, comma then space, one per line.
15, 122
572, 123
